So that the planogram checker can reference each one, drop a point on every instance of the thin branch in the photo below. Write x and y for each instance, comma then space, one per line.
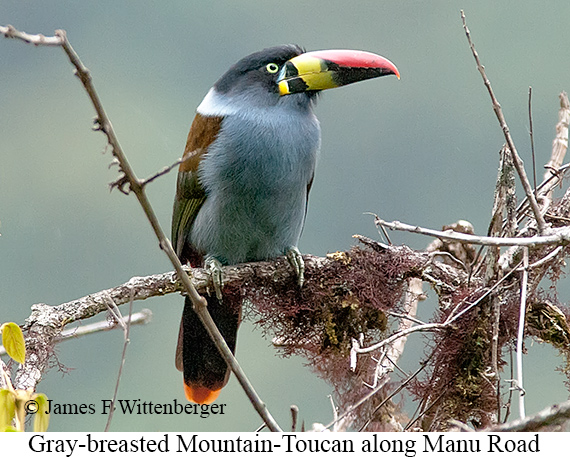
520, 335
114, 311
413, 294
164, 171
540, 222
142, 317
531, 134
552, 178
294, 416
559, 235
381, 230
547, 258
127, 328
424, 411
392, 395
373, 392
453, 317
400, 334
38, 40
405, 316
510, 398
335, 414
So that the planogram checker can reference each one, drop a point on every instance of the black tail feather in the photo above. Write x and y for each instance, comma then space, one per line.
196, 355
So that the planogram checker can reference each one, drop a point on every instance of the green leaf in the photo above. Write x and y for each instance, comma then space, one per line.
13, 341
7, 408
41, 419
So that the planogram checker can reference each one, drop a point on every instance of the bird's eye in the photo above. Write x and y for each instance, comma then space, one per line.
272, 68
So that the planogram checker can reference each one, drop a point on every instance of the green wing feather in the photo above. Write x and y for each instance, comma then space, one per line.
189, 199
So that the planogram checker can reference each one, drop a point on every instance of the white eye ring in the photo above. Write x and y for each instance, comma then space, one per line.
272, 68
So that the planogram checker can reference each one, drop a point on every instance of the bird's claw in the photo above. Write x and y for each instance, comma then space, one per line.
296, 260
214, 268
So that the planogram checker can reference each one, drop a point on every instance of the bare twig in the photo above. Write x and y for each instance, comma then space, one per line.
388, 361
547, 258
531, 134
541, 224
142, 317
433, 327
294, 416
114, 311
335, 414
453, 317
423, 409
552, 178
381, 230
405, 316
164, 171
392, 395
520, 335
127, 328
510, 397
38, 40
556, 236
373, 392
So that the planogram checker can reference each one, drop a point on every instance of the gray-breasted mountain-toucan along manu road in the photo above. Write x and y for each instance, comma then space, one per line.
243, 185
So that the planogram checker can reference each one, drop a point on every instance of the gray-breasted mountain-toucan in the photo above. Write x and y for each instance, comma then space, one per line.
245, 178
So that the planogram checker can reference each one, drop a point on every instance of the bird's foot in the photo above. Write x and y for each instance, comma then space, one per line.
296, 260
214, 268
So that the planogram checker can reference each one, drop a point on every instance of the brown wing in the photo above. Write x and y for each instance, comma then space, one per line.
190, 194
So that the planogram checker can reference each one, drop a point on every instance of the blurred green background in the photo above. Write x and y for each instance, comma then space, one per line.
422, 150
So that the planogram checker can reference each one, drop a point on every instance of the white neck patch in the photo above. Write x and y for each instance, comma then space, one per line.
215, 105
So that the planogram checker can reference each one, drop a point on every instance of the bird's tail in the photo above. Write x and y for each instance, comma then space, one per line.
205, 371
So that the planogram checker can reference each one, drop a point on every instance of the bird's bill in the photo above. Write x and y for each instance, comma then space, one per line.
320, 70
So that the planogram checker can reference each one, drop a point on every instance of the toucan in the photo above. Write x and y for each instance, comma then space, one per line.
244, 181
